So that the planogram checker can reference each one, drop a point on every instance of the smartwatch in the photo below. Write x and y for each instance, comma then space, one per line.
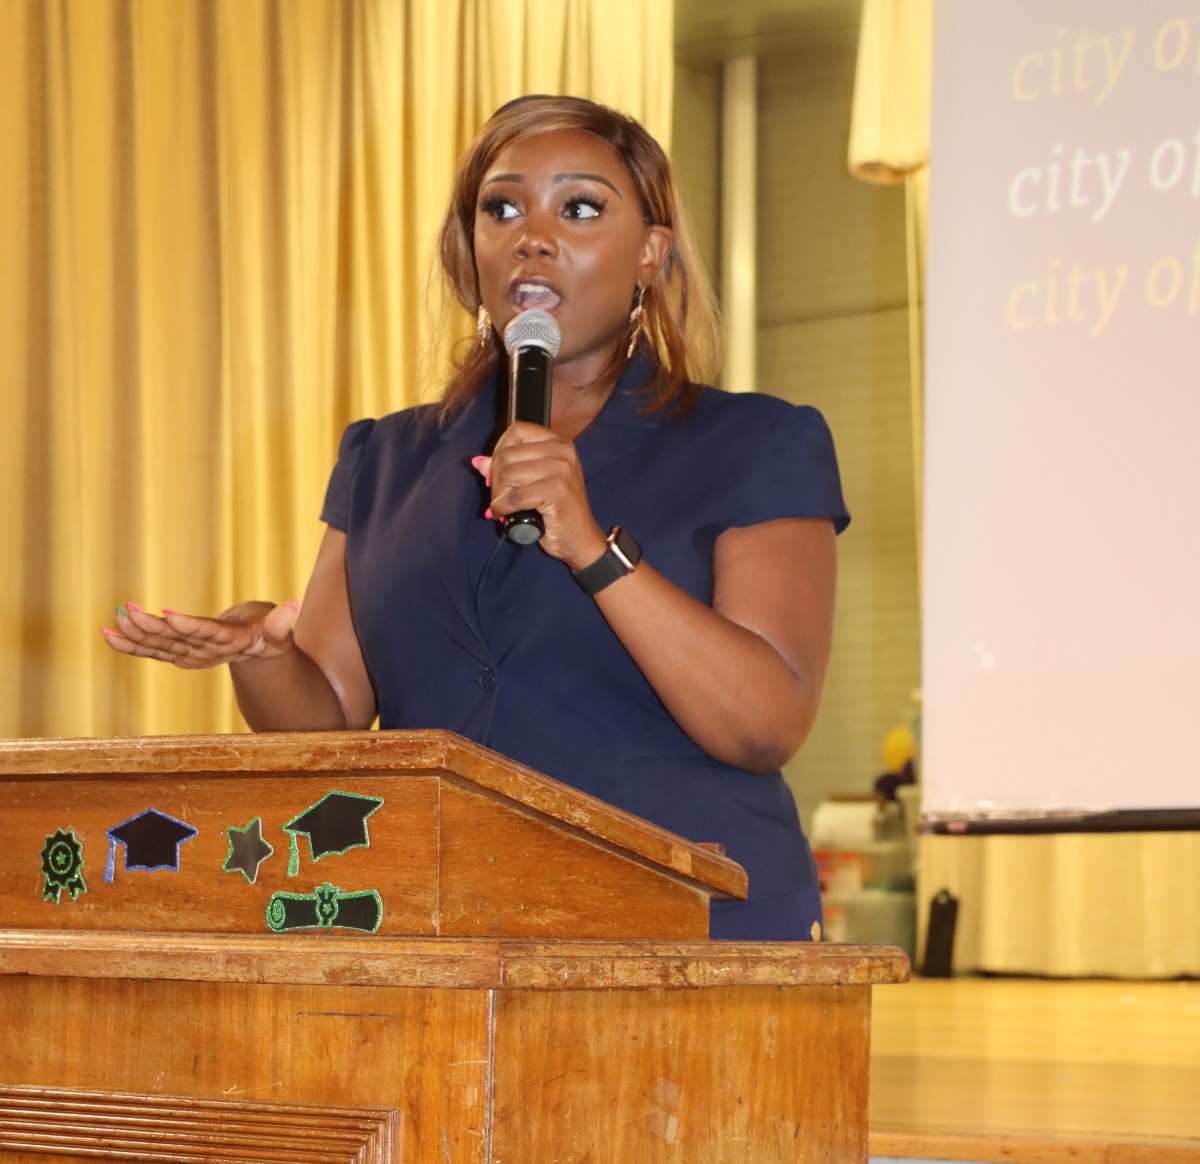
619, 559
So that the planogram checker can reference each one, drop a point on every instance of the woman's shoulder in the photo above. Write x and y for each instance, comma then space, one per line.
404, 428
722, 406
371, 445
420, 418
756, 416
770, 458
374, 450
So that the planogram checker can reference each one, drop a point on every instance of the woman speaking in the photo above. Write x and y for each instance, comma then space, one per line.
663, 644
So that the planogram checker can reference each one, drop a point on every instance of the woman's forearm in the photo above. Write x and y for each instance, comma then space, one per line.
730, 691
321, 683
287, 693
742, 678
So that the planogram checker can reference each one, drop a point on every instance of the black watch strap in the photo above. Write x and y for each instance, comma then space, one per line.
619, 559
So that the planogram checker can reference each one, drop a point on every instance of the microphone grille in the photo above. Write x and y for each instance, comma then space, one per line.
533, 329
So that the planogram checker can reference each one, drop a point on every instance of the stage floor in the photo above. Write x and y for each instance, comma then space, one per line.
1034, 1070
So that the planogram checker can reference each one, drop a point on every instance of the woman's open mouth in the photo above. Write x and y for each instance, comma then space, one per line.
526, 294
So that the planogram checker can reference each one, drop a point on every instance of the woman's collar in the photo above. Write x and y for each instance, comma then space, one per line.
626, 403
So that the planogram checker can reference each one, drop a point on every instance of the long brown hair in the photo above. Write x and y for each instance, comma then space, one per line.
679, 308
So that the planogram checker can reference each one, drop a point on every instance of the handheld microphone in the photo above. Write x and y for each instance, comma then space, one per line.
532, 340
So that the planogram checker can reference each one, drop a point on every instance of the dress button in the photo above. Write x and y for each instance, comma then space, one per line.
487, 680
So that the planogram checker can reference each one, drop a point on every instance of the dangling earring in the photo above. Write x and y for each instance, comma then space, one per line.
636, 324
483, 326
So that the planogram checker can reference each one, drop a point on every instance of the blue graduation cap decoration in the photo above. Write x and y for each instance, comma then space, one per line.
247, 850
151, 841
334, 825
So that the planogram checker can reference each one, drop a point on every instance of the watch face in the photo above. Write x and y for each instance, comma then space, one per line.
625, 547
619, 559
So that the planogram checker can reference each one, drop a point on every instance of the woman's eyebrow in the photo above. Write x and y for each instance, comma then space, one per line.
517, 179
588, 178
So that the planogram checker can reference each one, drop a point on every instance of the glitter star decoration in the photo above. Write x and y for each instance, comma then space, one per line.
247, 850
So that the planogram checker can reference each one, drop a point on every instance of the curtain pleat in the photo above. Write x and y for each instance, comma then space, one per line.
889, 121
217, 220
889, 145
916, 198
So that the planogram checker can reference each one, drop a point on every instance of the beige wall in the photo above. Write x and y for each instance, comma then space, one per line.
832, 332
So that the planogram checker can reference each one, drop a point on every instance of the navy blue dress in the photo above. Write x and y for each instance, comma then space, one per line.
465, 631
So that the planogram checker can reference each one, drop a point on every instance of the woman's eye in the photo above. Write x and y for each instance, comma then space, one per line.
498, 208
583, 208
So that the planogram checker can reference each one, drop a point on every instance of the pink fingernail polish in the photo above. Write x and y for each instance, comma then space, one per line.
488, 513
167, 610
477, 461
108, 634
134, 606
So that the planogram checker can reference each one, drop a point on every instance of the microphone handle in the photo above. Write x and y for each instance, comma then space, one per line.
529, 381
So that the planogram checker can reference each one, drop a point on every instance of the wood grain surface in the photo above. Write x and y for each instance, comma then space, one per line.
732, 1074
514, 964
491, 851
418, 1055
479, 1051
72, 1124
318, 754
539, 991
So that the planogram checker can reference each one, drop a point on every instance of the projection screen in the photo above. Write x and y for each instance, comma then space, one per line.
1061, 570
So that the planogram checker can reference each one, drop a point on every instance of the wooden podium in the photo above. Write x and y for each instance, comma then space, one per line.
393, 947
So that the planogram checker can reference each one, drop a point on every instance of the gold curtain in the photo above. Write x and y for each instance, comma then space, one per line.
1100, 905
889, 144
216, 218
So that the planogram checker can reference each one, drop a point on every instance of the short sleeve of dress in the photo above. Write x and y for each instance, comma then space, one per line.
790, 469
336, 510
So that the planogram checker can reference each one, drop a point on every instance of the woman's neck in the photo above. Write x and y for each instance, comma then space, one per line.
573, 408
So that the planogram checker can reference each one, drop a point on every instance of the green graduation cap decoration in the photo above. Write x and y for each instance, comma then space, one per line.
334, 825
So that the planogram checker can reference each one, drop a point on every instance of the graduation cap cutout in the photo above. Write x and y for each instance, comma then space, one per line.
151, 841
334, 825
247, 850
